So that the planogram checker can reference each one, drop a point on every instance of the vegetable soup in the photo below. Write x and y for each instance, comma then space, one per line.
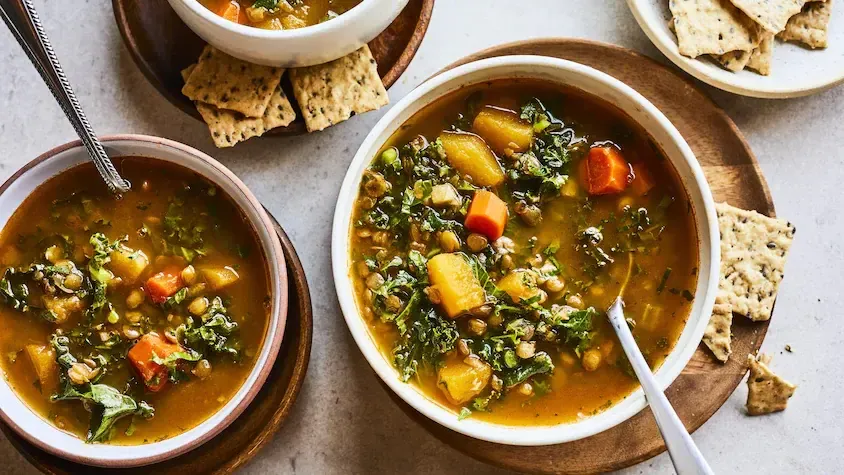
493, 231
279, 14
133, 320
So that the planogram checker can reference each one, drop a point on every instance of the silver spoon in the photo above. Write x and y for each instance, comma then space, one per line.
684, 454
23, 22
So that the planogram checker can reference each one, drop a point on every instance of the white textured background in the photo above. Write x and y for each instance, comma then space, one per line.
343, 421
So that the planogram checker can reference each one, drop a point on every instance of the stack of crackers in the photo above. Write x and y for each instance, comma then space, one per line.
753, 253
240, 100
740, 34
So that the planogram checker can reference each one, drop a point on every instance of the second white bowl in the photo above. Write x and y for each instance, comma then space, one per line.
640, 110
291, 48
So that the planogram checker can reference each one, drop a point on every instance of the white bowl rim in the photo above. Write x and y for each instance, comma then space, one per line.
357, 12
496, 433
126, 456
733, 83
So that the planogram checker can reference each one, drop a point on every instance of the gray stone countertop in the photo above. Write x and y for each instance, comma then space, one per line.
344, 422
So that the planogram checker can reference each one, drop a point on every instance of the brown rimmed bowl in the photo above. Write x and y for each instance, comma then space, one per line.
39, 432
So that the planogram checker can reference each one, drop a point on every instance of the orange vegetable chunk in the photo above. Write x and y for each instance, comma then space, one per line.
162, 285
231, 11
487, 215
153, 374
503, 130
471, 156
606, 171
643, 181
455, 280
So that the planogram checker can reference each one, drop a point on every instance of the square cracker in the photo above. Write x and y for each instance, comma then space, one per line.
760, 58
753, 253
228, 127
717, 336
712, 27
229, 83
771, 14
332, 92
734, 60
766, 392
810, 26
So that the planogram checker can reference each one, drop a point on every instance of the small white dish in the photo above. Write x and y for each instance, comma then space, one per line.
37, 431
640, 110
795, 71
291, 48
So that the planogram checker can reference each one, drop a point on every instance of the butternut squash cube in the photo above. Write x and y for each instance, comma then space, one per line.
128, 264
460, 381
453, 277
219, 277
519, 285
43, 360
503, 130
471, 156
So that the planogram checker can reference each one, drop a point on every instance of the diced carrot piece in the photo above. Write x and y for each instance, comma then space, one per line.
163, 285
231, 11
487, 215
153, 374
606, 171
643, 181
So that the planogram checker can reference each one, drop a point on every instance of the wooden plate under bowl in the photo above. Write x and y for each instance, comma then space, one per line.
162, 46
734, 176
248, 434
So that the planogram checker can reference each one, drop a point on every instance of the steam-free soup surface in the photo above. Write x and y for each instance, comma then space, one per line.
279, 14
129, 321
493, 231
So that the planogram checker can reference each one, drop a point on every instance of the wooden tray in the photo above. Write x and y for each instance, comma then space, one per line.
732, 172
254, 428
162, 46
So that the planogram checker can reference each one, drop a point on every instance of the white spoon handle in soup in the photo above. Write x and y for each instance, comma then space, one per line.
23, 21
684, 454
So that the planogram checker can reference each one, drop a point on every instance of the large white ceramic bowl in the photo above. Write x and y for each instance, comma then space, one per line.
664, 135
291, 48
44, 435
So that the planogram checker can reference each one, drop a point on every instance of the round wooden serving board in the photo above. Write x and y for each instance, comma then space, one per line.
734, 176
162, 46
248, 434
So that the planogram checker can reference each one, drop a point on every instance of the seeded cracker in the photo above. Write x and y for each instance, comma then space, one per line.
810, 26
228, 128
760, 59
717, 336
766, 392
753, 253
734, 60
771, 14
229, 83
332, 92
712, 27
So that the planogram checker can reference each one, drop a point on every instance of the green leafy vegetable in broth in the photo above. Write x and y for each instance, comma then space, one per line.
212, 333
107, 403
495, 306
122, 316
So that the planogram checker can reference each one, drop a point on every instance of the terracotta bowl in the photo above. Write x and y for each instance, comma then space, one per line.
607, 89
44, 435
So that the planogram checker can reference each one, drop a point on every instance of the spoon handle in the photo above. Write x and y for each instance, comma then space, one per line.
684, 454
23, 21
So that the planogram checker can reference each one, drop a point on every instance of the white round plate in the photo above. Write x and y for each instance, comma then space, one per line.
795, 70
